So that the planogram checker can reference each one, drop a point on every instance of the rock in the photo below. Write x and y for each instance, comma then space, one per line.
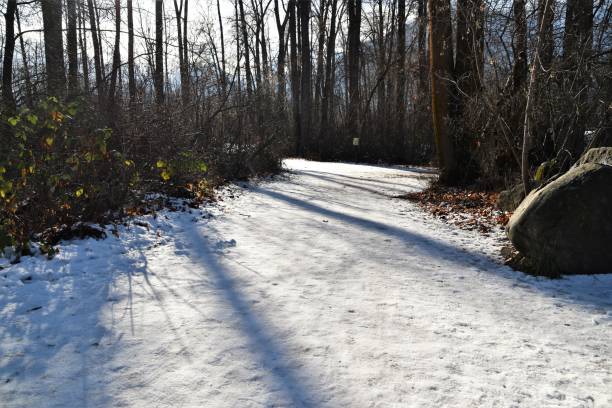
507, 252
508, 200
600, 155
565, 227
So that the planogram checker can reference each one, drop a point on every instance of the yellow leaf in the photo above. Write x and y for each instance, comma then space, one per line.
160, 164
165, 175
49, 141
79, 192
57, 116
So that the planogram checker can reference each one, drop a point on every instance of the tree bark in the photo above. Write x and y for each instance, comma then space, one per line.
131, 67
26, 69
159, 53
306, 76
54, 47
282, 55
440, 63
577, 49
116, 55
546, 9
381, 64
96, 48
72, 48
223, 68
295, 77
245, 44
422, 45
83, 47
354, 40
470, 43
321, 28
519, 46
9, 51
329, 66
401, 73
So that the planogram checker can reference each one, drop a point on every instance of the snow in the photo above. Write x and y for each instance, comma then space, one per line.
315, 289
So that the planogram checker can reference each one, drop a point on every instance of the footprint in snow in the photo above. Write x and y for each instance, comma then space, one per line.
225, 244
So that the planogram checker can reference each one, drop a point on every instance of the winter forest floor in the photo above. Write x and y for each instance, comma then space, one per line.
316, 289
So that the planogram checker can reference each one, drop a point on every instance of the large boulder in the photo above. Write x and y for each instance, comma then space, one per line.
565, 227
599, 155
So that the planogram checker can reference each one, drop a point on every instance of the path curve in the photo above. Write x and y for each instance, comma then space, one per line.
318, 289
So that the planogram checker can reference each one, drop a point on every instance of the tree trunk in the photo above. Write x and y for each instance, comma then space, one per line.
354, 31
223, 68
54, 47
9, 49
306, 77
282, 55
546, 9
381, 64
321, 23
26, 69
519, 46
295, 77
422, 45
264, 45
72, 48
186, 46
245, 44
83, 47
470, 42
577, 49
329, 66
542, 58
401, 75
131, 68
178, 10
96, 49
116, 55
440, 57
578, 37
159, 52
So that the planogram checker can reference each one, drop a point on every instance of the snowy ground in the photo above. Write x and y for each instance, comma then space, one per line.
318, 289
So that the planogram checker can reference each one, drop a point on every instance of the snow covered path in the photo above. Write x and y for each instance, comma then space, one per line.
315, 290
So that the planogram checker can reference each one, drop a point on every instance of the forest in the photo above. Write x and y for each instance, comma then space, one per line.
492, 91
305, 203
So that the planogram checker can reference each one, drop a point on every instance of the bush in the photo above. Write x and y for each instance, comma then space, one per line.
57, 170
59, 167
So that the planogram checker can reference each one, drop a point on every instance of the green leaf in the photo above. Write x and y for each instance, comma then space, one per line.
5, 188
33, 119
203, 167
13, 121
2, 170
161, 164
79, 192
